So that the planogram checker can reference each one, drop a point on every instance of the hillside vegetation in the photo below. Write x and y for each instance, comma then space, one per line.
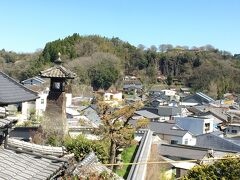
101, 62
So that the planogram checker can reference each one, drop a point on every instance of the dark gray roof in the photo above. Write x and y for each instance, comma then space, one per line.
164, 128
167, 128
91, 113
214, 141
169, 111
36, 148
21, 166
132, 86
194, 110
188, 152
58, 71
23, 133
185, 152
13, 92
164, 110
6, 123
199, 98
135, 84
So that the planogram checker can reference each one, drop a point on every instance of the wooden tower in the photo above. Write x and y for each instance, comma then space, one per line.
56, 100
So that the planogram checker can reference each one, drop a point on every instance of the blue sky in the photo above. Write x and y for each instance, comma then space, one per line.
27, 25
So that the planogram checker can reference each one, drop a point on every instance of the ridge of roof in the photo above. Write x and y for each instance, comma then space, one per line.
7, 122
32, 96
31, 147
17, 83
67, 73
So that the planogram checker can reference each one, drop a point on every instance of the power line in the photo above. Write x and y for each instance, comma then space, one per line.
167, 161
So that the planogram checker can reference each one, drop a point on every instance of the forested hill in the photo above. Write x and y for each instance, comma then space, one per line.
101, 62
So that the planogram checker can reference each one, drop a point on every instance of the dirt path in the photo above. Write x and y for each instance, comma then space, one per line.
156, 171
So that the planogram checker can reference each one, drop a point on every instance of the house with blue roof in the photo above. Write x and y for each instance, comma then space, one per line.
33, 81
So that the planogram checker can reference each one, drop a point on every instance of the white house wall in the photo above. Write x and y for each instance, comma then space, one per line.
164, 118
41, 103
169, 138
191, 140
194, 125
68, 99
113, 96
216, 121
27, 107
169, 92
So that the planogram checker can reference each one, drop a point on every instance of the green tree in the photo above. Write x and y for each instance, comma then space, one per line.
228, 168
142, 123
103, 75
116, 128
169, 80
81, 147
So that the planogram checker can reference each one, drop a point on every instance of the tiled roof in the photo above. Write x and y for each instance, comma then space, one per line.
167, 128
214, 140
31, 147
188, 152
90, 164
164, 128
169, 111
7, 122
58, 71
91, 113
22, 166
199, 98
147, 114
164, 110
12, 92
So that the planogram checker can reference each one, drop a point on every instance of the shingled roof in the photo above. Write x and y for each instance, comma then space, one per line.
199, 98
91, 165
17, 166
59, 72
5, 123
23, 160
31, 147
164, 128
12, 92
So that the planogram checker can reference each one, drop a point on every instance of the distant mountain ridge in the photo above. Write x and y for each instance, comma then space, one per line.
204, 68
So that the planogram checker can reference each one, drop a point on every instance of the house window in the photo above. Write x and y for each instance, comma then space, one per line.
234, 131
174, 141
186, 141
57, 85
42, 101
111, 97
207, 126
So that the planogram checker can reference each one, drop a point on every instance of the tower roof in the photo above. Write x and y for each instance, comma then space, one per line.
59, 72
